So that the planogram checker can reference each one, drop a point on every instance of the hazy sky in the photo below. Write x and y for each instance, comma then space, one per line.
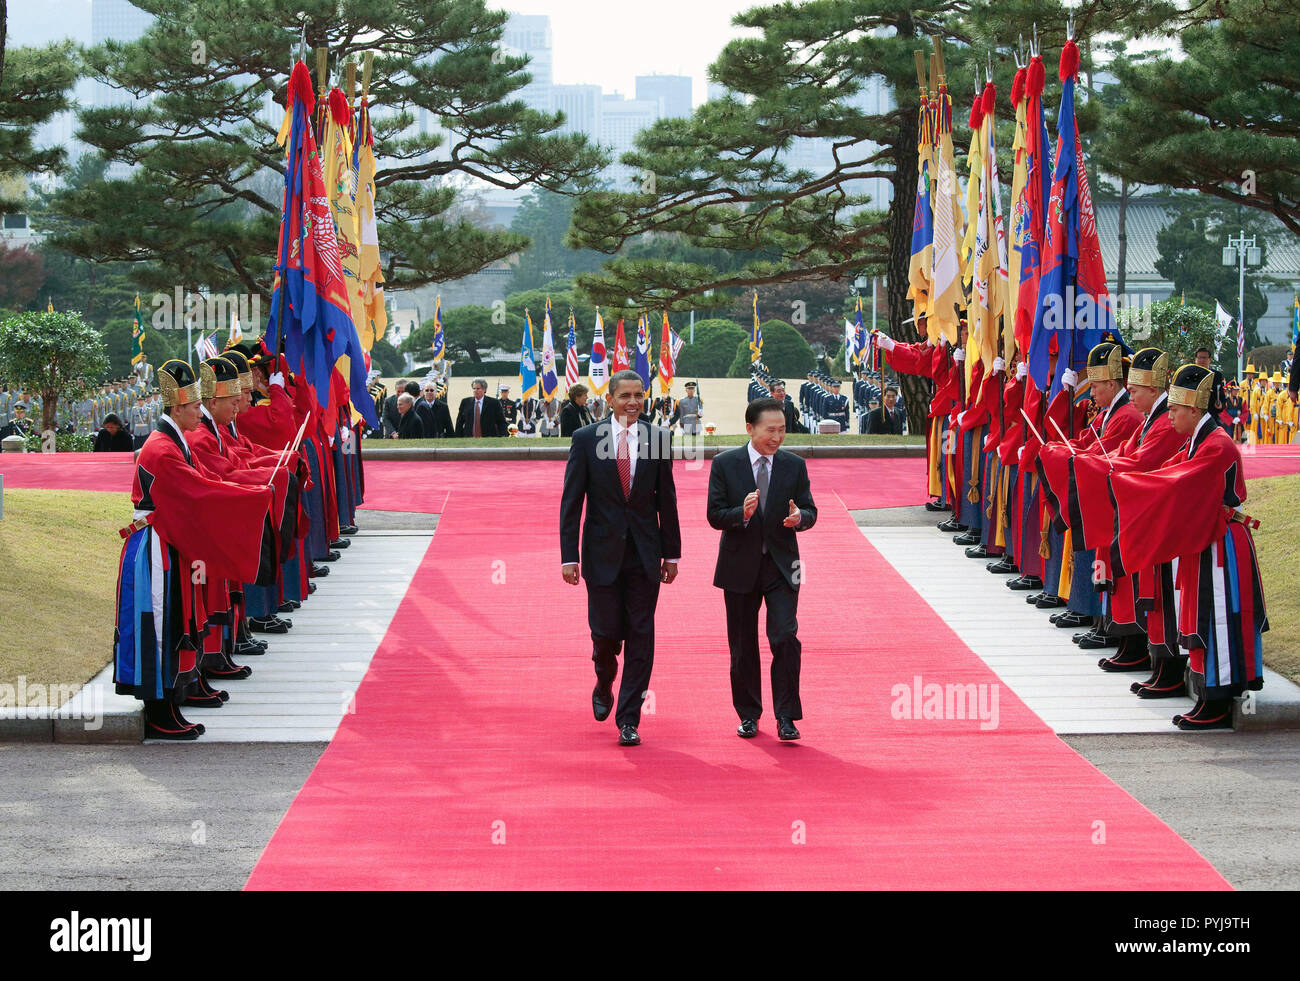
596, 44
610, 44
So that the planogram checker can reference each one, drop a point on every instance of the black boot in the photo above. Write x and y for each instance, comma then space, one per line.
1131, 656
163, 720
1208, 714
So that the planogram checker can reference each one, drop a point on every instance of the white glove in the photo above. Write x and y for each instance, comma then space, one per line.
999, 364
958, 355
1022, 370
960, 417
1020, 455
278, 379
1069, 378
885, 342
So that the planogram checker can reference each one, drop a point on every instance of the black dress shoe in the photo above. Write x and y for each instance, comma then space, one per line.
785, 729
1025, 582
246, 649
340, 543
627, 736
1033, 598
348, 530
319, 570
1092, 641
294, 604
977, 552
1047, 602
747, 729
311, 588
268, 625
602, 701
967, 537
1002, 567
951, 525
285, 608
332, 556
1069, 619
936, 506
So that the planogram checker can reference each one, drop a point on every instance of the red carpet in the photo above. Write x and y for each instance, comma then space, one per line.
393, 485
472, 761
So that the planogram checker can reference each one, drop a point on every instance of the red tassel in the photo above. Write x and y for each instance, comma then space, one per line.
1069, 61
989, 99
1035, 78
1018, 87
300, 89
338, 103
976, 113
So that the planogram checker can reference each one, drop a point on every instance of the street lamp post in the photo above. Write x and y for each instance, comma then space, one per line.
1241, 251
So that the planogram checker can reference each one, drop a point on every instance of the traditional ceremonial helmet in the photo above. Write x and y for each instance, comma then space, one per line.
1106, 362
240, 361
178, 383
1150, 367
1191, 387
218, 379
256, 352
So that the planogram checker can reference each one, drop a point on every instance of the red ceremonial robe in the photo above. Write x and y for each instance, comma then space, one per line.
1188, 513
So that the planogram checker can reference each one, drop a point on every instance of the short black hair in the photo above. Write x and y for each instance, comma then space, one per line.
618, 377
756, 408
412, 388
1206, 350
891, 388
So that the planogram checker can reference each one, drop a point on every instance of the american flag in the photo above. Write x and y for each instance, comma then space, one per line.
571, 356
205, 348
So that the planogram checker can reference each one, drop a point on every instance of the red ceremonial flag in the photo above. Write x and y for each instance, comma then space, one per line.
620, 362
666, 358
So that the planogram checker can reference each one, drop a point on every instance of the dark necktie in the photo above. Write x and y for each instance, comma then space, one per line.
478, 428
762, 482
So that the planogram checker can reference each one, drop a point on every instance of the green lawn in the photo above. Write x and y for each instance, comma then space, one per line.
58, 573
1275, 501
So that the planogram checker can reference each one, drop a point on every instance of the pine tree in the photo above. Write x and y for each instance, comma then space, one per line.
208, 80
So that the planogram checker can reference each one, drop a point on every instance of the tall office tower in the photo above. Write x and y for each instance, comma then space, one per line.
115, 20
581, 107
530, 34
672, 92
620, 122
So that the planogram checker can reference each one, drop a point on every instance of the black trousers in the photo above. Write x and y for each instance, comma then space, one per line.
782, 636
622, 616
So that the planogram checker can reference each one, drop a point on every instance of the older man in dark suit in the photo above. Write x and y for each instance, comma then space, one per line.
759, 496
622, 469
480, 414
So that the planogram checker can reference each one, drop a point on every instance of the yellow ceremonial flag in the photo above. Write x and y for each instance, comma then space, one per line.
946, 295
375, 322
993, 263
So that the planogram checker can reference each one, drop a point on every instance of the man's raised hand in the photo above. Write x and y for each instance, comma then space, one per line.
794, 517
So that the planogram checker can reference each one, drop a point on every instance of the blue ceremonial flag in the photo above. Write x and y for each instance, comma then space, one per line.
550, 380
642, 366
1074, 311
311, 319
527, 362
859, 334
439, 341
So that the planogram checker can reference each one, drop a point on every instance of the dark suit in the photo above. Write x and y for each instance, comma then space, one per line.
881, 421
410, 427
573, 417
391, 417
623, 541
436, 419
750, 576
492, 421
792, 424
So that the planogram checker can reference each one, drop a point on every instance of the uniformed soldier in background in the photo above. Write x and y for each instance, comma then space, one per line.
688, 411
837, 406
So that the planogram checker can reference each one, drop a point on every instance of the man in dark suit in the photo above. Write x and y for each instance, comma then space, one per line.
480, 414
758, 498
792, 424
391, 418
622, 468
434, 416
887, 417
409, 425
